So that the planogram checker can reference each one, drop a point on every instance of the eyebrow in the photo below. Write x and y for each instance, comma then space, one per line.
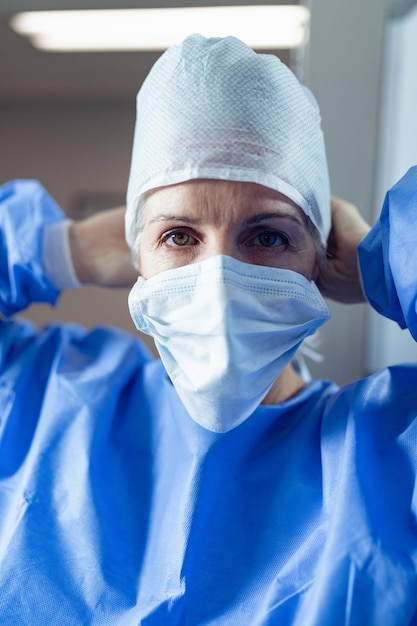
168, 217
255, 219
267, 216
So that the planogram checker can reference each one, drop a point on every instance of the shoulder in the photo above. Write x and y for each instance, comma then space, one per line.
390, 394
68, 346
373, 421
64, 374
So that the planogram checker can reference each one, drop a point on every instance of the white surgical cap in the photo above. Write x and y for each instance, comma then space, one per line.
213, 108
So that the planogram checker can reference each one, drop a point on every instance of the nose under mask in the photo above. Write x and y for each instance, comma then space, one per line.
225, 330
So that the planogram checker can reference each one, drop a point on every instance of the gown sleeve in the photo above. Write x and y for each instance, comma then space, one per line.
26, 210
388, 256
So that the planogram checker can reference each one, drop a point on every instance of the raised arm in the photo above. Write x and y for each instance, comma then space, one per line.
33, 238
378, 264
340, 279
99, 250
26, 211
388, 256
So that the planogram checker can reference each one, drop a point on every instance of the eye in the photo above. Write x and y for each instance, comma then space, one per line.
179, 238
269, 239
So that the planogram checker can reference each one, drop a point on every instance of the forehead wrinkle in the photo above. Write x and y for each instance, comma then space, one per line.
256, 219
230, 199
199, 201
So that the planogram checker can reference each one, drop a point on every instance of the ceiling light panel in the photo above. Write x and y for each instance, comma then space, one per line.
261, 27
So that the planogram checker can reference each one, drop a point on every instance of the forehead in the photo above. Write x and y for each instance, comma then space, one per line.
218, 199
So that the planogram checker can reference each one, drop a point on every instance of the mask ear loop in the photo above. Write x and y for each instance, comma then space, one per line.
307, 350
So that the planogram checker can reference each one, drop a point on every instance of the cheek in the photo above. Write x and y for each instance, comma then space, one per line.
313, 268
147, 264
315, 272
307, 264
154, 261
144, 261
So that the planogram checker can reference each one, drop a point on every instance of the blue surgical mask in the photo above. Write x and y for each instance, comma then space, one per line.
225, 330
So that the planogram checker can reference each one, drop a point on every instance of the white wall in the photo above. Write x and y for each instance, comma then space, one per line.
387, 344
344, 73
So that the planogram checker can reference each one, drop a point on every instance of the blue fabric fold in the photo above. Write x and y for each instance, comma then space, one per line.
388, 256
117, 509
26, 209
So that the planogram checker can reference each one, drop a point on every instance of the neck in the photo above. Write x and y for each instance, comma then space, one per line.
287, 385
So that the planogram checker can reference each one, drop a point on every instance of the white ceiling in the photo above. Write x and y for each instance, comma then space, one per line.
28, 75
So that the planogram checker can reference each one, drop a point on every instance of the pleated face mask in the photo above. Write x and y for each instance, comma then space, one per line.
225, 330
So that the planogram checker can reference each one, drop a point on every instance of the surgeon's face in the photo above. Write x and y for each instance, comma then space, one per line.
192, 221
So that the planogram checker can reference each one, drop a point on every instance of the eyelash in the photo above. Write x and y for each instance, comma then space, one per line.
275, 235
250, 242
165, 238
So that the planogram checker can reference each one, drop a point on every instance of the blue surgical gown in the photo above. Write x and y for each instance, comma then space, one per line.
117, 509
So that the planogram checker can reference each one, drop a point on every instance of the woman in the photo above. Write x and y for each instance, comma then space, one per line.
214, 486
